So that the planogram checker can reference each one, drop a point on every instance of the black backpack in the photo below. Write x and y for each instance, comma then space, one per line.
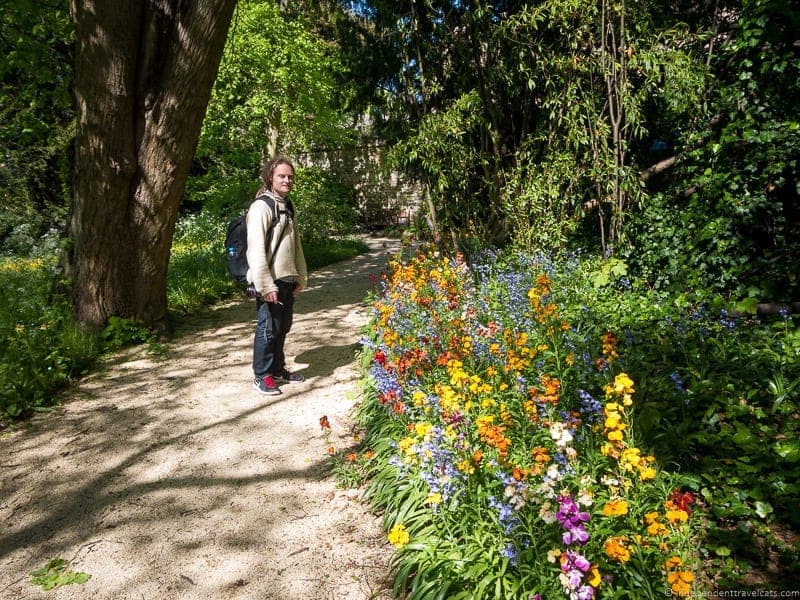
236, 240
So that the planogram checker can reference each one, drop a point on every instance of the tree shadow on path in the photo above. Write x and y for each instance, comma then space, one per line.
174, 445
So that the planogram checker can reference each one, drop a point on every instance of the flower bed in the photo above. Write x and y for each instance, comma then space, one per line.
507, 462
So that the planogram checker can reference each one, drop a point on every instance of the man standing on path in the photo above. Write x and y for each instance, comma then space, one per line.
277, 271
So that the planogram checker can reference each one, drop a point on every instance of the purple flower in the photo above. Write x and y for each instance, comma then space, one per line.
510, 552
575, 535
576, 560
568, 514
574, 577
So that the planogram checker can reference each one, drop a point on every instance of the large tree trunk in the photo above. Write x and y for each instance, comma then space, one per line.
143, 78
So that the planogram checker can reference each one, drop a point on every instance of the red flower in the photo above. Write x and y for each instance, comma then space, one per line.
681, 500
380, 357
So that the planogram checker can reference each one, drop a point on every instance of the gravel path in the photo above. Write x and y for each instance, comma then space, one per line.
171, 478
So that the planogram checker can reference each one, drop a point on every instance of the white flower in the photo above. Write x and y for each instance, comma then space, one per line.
560, 434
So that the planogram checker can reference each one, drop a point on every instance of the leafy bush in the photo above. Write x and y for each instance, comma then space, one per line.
325, 206
221, 191
726, 218
43, 347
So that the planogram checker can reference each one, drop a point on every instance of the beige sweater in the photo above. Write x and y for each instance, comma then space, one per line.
289, 258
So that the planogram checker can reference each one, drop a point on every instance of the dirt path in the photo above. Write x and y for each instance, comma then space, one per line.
172, 479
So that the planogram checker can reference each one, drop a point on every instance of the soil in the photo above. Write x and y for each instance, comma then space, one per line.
171, 478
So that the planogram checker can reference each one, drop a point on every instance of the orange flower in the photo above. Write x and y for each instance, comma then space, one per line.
540, 454
673, 562
615, 548
680, 582
655, 529
323, 422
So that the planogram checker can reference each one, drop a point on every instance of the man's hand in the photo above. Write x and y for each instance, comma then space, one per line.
271, 297
297, 289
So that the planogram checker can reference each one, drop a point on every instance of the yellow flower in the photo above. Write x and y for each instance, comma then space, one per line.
405, 444
655, 529
623, 384
651, 517
677, 516
398, 536
615, 436
434, 499
422, 429
466, 466
647, 474
594, 579
615, 508
553, 555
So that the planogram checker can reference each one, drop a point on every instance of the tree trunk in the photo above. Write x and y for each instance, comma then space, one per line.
143, 77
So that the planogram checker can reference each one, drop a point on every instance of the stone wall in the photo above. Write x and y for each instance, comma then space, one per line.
384, 198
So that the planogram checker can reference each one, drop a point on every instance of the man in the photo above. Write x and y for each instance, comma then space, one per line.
277, 271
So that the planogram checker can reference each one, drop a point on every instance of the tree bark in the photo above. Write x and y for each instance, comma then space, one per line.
143, 78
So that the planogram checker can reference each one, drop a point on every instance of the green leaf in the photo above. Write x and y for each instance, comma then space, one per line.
788, 450
722, 551
748, 306
54, 574
763, 509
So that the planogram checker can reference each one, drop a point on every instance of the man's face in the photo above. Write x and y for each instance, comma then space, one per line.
282, 178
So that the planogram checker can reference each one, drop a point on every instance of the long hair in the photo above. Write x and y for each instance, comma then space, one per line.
268, 169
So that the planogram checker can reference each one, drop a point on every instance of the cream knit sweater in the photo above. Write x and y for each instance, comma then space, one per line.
289, 258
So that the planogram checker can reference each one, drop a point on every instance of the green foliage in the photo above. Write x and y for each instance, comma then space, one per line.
36, 125
120, 332
274, 93
326, 252
726, 220
722, 393
442, 148
596, 91
223, 190
55, 574
43, 347
198, 270
325, 207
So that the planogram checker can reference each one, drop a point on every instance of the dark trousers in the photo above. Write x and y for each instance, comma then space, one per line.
274, 323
